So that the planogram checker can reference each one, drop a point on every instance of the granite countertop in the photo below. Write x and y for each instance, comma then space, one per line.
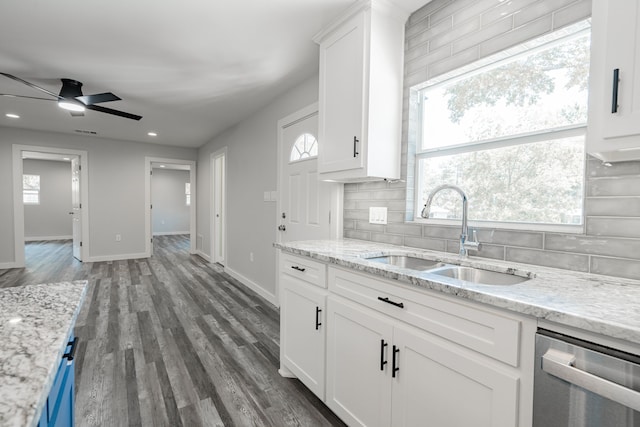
600, 304
35, 322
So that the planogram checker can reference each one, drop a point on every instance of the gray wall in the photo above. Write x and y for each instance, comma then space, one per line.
116, 188
50, 219
170, 211
444, 35
251, 170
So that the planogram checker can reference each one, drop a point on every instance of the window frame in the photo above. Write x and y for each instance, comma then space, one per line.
416, 118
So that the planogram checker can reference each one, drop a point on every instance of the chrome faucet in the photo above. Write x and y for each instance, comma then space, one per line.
465, 245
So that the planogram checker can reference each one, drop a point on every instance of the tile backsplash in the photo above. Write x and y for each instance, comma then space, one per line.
609, 246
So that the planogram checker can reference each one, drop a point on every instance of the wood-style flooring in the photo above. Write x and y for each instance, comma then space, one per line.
173, 341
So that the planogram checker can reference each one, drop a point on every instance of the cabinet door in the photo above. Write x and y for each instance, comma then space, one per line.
342, 97
358, 365
61, 405
303, 332
623, 53
439, 384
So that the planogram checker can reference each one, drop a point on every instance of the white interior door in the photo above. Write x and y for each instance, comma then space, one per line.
219, 186
76, 208
305, 201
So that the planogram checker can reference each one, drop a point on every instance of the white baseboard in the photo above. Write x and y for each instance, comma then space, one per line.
8, 265
103, 258
203, 255
252, 285
169, 233
35, 238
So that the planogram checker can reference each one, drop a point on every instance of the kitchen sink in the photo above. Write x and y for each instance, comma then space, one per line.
479, 276
406, 261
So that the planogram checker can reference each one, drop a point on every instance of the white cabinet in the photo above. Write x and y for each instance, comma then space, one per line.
402, 357
358, 366
614, 125
360, 99
302, 321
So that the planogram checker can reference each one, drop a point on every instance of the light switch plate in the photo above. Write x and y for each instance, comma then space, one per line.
377, 215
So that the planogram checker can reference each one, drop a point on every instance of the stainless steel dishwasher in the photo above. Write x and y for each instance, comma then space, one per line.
582, 384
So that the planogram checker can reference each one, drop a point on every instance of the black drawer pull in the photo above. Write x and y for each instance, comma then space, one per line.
355, 147
382, 361
614, 96
318, 324
388, 301
295, 267
394, 363
74, 345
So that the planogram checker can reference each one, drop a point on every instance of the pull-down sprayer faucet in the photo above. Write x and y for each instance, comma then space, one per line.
464, 244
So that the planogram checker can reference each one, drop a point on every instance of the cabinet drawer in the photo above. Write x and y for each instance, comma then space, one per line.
304, 268
479, 328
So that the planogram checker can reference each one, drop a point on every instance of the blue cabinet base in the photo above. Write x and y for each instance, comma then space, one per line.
58, 409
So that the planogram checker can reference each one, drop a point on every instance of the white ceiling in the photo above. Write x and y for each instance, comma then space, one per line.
190, 68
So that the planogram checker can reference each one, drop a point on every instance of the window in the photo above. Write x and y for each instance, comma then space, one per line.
305, 147
509, 130
187, 192
31, 189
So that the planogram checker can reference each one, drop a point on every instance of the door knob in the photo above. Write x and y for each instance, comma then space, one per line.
70, 213
282, 227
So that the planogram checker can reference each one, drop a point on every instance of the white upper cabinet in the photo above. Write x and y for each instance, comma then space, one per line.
614, 92
360, 100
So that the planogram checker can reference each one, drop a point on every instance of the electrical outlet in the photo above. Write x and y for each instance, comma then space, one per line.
118, 237
251, 256
377, 215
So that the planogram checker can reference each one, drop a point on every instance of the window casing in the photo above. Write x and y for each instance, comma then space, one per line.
31, 189
509, 130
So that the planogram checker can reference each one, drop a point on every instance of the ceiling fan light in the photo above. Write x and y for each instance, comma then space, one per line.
71, 106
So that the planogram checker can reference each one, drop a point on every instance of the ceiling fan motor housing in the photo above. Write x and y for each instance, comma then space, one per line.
70, 88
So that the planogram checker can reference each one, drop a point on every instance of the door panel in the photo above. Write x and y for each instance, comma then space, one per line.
76, 208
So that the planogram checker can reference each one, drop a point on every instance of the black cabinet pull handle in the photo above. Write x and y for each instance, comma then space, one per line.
355, 147
614, 97
383, 362
295, 267
71, 354
318, 324
388, 301
394, 363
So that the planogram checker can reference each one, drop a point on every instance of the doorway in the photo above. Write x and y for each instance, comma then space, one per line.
27, 191
173, 211
219, 205
308, 208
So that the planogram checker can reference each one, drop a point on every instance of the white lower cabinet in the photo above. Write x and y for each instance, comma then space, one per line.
358, 364
383, 373
392, 354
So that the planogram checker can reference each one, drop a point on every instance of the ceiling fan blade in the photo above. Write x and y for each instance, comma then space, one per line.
98, 98
8, 95
18, 79
114, 112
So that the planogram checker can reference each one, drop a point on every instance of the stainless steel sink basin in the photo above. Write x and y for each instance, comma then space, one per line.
405, 261
479, 276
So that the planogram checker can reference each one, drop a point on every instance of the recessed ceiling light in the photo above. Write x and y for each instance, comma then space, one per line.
66, 158
162, 166
12, 116
152, 134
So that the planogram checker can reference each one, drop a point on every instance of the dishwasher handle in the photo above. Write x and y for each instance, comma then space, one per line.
560, 365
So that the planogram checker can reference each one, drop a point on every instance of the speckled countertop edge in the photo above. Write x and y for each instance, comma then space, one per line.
594, 303
35, 322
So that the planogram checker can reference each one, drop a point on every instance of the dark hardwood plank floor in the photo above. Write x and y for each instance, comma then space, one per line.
172, 341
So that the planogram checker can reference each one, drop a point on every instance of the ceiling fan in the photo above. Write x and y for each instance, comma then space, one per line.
72, 99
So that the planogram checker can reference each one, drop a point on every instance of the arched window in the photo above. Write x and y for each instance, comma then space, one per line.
305, 147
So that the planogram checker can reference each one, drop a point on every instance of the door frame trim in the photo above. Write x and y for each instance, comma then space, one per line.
147, 199
18, 205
